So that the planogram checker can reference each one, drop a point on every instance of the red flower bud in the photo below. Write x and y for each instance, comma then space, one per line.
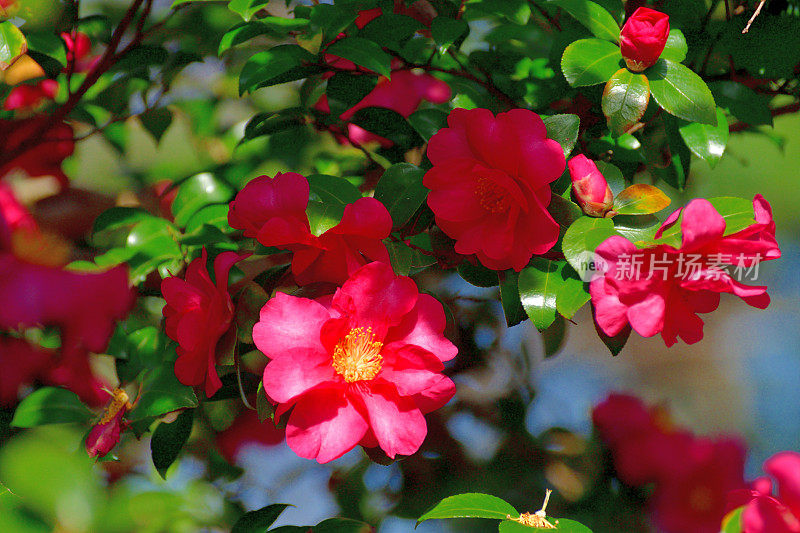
589, 187
105, 435
643, 38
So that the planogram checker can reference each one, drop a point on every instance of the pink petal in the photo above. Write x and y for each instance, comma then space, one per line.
701, 224
298, 371
396, 421
289, 323
785, 468
411, 370
424, 326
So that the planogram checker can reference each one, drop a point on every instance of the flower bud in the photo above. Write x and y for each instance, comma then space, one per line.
105, 435
643, 38
589, 187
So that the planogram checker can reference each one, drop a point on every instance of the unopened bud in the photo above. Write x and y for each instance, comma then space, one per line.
589, 187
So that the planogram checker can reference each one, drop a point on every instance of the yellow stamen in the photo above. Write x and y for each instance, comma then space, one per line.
357, 357
492, 197
119, 401
537, 519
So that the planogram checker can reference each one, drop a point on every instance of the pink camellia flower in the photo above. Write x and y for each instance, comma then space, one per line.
643, 38
694, 497
403, 93
589, 187
44, 158
29, 97
768, 513
198, 313
79, 52
361, 367
490, 185
273, 210
105, 435
658, 290
245, 431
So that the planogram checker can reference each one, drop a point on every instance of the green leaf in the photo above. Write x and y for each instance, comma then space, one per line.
681, 92
564, 130
168, 440
732, 523
737, 213
197, 192
596, 19
156, 121
637, 227
625, 99
401, 190
48, 44
12, 44
705, 141
333, 189
50, 405
270, 123
264, 408
427, 122
341, 525
162, 393
391, 30
590, 61
581, 239
247, 8
346, 89
401, 257
539, 283
364, 53
282, 63
640, 199
446, 31
258, 521
509, 298
269, 26
613, 176
572, 294
742, 102
478, 275
323, 216
676, 47
563, 525
179, 2
387, 123
113, 225
332, 19
470, 505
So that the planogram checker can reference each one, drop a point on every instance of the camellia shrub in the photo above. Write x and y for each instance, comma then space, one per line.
230, 225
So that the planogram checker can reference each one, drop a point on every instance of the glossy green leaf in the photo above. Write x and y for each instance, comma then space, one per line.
333, 189
48, 44
341, 525
572, 293
613, 176
332, 19
400, 189
509, 298
401, 257
705, 141
641, 199
681, 92
268, 26
280, 64
470, 505
271, 123
156, 121
168, 440
113, 225
323, 216
564, 130
12, 44
387, 123
346, 89
637, 227
478, 275
539, 283
264, 408
391, 30
364, 53
445, 31
50, 405
197, 192
162, 393
594, 16
427, 122
590, 61
742, 102
676, 47
581, 239
625, 99
258, 521
246, 8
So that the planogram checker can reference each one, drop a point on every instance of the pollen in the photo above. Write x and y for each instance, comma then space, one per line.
119, 401
357, 357
491, 197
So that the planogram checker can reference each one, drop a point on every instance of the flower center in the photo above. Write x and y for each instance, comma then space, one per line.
491, 197
357, 357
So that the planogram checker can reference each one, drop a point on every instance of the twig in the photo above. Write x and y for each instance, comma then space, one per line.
758, 10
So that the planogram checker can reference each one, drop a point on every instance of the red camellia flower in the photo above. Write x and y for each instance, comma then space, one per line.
661, 289
21, 364
589, 187
361, 367
273, 210
198, 313
490, 185
247, 430
768, 513
45, 157
79, 52
30, 97
643, 38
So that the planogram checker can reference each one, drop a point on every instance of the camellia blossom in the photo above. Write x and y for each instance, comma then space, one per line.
79, 52
45, 157
643, 38
247, 430
589, 187
490, 185
198, 313
273, 210
28, 98
765, 512
656, 291
361, 367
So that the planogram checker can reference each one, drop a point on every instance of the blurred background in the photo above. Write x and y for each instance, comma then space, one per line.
520, 421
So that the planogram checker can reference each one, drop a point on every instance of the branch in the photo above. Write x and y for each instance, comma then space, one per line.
758, 10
